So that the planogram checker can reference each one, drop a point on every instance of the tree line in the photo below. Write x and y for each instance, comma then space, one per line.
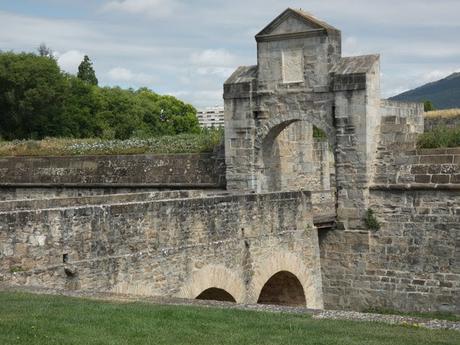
38, 100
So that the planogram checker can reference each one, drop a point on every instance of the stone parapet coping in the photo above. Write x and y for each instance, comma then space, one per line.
113, 185
416, 186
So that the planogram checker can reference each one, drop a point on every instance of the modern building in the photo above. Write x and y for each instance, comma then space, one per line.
211, 117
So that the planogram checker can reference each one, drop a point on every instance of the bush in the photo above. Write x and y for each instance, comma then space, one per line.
439, 137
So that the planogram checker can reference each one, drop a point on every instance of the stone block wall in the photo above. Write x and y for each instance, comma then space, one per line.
412, 263
172, 247
425, 166
180, 170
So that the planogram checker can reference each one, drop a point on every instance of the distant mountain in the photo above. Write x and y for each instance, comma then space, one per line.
444, 93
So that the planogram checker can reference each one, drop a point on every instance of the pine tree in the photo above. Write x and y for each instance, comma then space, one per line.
86, 71
45, 51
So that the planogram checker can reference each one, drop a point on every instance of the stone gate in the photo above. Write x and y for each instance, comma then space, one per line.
302, 84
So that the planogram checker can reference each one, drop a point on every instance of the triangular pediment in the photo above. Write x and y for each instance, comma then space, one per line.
294, 21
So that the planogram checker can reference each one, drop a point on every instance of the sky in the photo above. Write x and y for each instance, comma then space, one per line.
189, 48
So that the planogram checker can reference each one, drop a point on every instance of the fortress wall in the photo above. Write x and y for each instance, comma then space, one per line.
35, 177
155, 247
411, 263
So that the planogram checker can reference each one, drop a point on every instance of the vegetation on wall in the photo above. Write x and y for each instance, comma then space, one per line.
38, 100
439, 137
205, 141
371, 221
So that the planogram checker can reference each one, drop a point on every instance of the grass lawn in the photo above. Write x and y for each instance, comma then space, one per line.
34, 319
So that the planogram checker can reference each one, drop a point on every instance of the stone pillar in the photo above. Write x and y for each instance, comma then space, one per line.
357, 115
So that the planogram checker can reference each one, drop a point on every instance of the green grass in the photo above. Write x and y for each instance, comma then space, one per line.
424, 315
205, 141
34, 319
439, 137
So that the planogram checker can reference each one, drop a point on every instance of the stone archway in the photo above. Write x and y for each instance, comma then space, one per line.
216, 294
213, 277
283, 288
307, 273
288, 156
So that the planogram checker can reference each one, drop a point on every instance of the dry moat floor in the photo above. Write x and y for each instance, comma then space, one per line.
44, 319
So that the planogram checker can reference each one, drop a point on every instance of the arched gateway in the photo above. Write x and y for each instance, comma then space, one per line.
301, 82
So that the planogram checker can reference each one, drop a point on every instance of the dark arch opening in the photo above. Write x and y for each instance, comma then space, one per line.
216, 294
283, 288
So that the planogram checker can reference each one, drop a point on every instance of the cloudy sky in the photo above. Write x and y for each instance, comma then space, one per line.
188, 48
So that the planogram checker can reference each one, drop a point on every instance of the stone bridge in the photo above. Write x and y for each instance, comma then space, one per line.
256, 248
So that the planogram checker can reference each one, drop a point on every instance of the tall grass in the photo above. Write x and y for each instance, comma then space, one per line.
445, 113
439, 137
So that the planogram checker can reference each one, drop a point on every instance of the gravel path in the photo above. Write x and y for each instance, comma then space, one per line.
316, 314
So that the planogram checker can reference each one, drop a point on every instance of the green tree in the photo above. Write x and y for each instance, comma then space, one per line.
37, 100
86, 71
31, 93
428, 106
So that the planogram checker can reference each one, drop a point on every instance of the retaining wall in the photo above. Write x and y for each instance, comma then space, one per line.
411, 263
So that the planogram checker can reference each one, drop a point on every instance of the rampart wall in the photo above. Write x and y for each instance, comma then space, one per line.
413, 261
37, 177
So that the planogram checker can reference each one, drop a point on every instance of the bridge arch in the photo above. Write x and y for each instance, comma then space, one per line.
291, 266
216, 294
215, 281
283, 288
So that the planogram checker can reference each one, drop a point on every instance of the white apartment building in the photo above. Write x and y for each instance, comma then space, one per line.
211, 117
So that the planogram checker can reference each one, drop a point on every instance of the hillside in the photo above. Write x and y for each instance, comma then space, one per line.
444, 93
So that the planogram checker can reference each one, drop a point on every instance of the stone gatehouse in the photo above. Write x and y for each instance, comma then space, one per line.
279, 218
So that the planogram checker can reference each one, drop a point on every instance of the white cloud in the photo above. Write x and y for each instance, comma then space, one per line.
150, 8
124, 75
223, 72
214, 58
70, 60
202, 98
